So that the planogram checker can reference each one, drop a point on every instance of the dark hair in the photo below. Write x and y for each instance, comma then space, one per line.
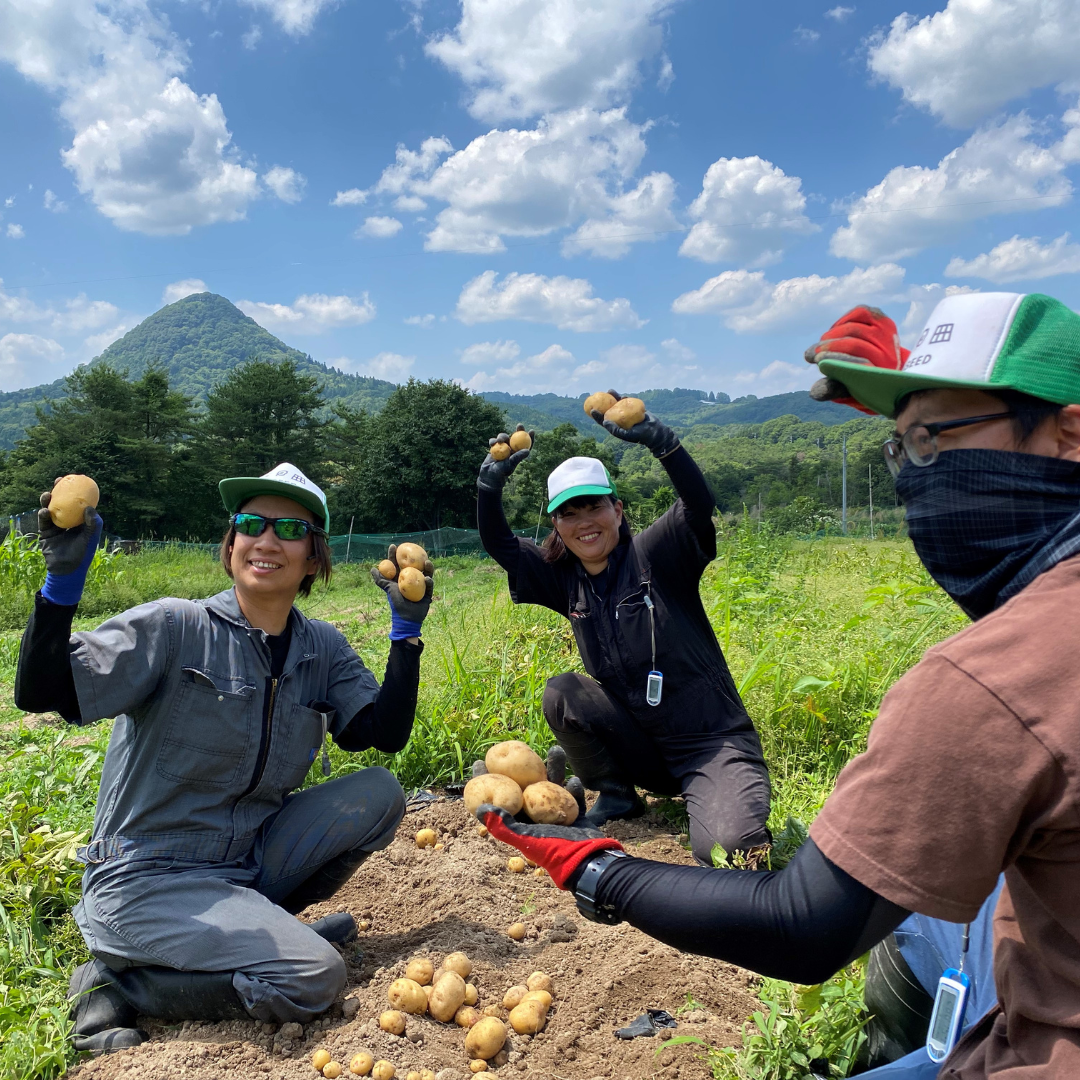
324, 563
1029, 413
553, 546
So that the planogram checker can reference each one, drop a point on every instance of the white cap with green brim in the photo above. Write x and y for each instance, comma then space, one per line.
980, 341
283, 479
577, 476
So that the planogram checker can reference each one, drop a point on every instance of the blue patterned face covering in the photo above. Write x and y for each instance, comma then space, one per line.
985, 523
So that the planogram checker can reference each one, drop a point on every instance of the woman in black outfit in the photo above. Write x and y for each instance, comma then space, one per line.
659, 709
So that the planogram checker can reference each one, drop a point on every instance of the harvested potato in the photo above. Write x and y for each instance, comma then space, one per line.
412, 584
626, 412
71, 495
513, 996
420, 969
500, 451
529, 1017
459, 962
491, 1010
486, 1038
516, 864
548, 804
539, 872
447, 996
472, 995
495, 789
466, 1016
539, 980
392, 1021
388, 569
517, 760
541, 996
331, 1070
427, 991
520, 439
412, 555
383, 1070
413, 1076
426, 1074
408, 996
481, 830
517, 931
319, 1059
478, 1066
599, 402
426, 838
439, 847
361, 1063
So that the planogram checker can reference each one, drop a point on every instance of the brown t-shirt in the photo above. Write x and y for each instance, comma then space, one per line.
973, 767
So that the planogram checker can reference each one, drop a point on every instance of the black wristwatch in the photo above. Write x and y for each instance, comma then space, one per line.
585, 891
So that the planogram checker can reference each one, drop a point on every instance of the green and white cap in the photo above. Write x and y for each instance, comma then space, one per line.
284, 479
578, 476
982, 341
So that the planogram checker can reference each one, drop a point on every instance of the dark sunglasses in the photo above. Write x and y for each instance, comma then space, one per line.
284, 528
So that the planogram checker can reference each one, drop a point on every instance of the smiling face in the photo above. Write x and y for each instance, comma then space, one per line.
591, 532
266, 567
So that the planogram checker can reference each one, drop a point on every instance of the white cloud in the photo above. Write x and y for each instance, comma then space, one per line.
409, 204
27, 360
748, 303
410, 165
1020, 259
311, 314
15, 232
748, 210
839, 13
352, 197
779, 377
806, 36
295, 17
76, 315
642, 214
491, 352
521, 58
287, 184
179, 289
52, 203
379, 227
550, 370
420, 320
567, 303
385, 365
95, 344
152, 154
678, 351
1000, 169
251, 38
967, 61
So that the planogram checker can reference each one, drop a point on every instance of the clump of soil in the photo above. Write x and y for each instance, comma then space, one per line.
410, 901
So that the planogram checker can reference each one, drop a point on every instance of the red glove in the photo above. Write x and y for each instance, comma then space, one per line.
559, 849
865, 335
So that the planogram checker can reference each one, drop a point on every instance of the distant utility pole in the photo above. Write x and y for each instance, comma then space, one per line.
870, 481
843, 492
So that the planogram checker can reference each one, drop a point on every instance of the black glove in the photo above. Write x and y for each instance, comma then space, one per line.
653, 433
68, 553
406, 616
494, 474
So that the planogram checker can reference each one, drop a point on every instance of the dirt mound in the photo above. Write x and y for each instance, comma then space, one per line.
463, 898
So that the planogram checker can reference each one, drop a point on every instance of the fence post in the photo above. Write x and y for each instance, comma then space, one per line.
348, 546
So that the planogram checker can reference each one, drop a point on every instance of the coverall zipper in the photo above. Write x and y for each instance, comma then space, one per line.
264, 744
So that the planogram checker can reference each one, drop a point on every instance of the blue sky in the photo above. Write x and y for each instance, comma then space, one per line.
530, 195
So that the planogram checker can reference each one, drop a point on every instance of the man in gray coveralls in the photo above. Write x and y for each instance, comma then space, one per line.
202, 850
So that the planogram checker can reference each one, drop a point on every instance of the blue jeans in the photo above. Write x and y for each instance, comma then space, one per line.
930, 946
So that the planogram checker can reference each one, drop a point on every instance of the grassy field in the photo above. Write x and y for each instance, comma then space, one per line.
815, 633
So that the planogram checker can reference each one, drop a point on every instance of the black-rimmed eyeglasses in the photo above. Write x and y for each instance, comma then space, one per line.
919, 444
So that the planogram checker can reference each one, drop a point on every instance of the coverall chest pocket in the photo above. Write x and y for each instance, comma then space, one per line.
635, 623
587, 634
210, 730
305, 739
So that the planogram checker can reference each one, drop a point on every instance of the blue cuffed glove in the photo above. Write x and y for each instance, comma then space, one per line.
68, 555
406, 616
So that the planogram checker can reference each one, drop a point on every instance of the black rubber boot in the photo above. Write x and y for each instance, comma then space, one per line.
338, 929
171, 995
325, 881
592, 762
110, 1040
104, 1019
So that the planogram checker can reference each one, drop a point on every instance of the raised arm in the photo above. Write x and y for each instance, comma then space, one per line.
495, 533
386, 723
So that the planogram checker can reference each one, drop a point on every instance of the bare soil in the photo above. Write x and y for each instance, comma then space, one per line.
412, 902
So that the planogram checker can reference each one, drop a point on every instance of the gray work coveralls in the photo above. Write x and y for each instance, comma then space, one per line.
196, 835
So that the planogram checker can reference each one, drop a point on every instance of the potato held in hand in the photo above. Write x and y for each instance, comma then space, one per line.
388, 569
500, 451
71, 495
548, 804
413, 555
599, 402
412, 584
520, 439
517, 760
626, 412
495, 789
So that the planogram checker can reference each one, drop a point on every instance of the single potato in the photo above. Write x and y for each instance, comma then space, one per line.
626, 412
548, 804
495, 789
520, 439
319, 1059
459, 962
500, 451
392, 1021
517, 760
388, 569
516, 864
512, 997
411, 555
541, 996
539, 980
383, 1070
478, 1066
71, 495
412, 584
517, 931
420, 969
466, 1016
492, 1010
472, 995
485, 1038
361, 1063
447, 996
599, 402
407, 996
426, 838
331, 1070
528, 1017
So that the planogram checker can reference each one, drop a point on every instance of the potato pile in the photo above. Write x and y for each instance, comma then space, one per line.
407, 565
516, 779
626, 412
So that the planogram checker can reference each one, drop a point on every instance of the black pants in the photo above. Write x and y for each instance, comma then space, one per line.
722, 776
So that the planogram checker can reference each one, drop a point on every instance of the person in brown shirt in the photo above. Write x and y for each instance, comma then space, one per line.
972, 768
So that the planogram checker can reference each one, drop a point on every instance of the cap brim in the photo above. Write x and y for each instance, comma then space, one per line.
881, 389
238, 489
574, 492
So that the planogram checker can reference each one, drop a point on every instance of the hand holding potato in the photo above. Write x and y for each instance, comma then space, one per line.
627, 419
505, 454
69, 540
409, 592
